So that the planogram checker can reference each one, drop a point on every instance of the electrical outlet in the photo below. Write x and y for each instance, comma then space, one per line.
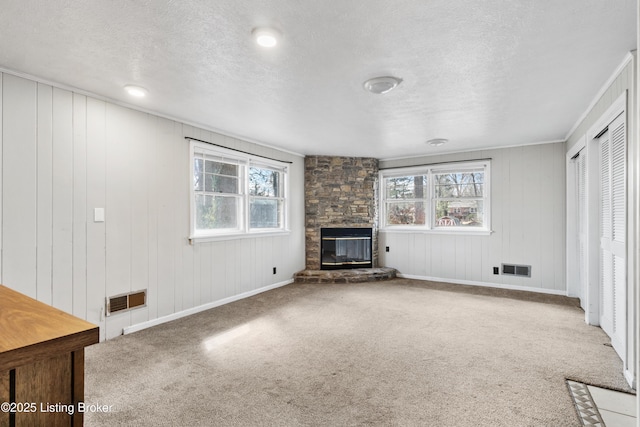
274, 270
386, 249
496, 270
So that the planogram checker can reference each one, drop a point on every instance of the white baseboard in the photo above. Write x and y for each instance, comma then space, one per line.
484, 284
203, 307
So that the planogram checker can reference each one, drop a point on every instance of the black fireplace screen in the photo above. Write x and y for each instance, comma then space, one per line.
345, 248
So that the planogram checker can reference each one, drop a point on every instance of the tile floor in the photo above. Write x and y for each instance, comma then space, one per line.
600, 407
616, 409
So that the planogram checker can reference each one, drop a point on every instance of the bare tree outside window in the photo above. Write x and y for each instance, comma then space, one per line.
266, 202
216, 185
459, 199
405, 200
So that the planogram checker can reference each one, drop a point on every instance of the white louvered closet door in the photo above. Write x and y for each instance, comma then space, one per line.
613, 283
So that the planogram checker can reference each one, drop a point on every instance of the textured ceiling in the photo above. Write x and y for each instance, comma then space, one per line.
482, 74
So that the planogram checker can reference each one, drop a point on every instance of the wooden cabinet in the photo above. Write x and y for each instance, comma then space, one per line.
41, 362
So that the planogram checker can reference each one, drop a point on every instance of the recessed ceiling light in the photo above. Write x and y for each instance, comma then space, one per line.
266, 37
437, 142
380, 85
137, 91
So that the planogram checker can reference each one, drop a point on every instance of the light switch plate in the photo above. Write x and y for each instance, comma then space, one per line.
98, 215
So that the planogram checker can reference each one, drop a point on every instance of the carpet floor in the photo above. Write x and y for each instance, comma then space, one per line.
398, 353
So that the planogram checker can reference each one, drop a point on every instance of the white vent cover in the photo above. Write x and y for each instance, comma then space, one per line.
516, 270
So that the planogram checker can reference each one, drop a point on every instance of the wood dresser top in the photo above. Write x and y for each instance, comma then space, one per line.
28, 325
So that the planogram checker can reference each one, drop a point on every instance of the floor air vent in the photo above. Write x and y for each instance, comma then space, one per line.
123, 302
516, 270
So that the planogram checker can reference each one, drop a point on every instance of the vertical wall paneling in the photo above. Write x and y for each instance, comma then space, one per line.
556, 232
62, 200
79, 232
197, 276
96, 198
412, 261
141, 171
251, 262
436, 250
559, 233
151, 184
118, 201
474, 253
260, 258
245, 262
19, 198
231, 247
180, 196
180, 202
533, 207
448, 255
549, 214
45, 194
419, 249
164, 179
205, 272
219, 280
460, 257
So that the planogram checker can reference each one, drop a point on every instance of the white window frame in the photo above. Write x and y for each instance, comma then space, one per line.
245, 161
276, 167
430, 199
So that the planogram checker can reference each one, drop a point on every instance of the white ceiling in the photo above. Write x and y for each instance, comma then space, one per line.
482, 74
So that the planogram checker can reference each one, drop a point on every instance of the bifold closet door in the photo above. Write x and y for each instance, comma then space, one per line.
613, 233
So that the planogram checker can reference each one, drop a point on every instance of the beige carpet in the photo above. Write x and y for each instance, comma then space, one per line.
402, 352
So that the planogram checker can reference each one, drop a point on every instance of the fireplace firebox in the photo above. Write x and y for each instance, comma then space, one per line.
342, 248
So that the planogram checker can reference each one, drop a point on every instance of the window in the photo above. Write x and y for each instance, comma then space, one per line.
406, 199
266, 197
234, 193
445, 197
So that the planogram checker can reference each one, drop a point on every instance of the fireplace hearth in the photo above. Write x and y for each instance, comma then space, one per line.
344, 248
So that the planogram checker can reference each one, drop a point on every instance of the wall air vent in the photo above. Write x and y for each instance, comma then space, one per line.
516, 270
124, 302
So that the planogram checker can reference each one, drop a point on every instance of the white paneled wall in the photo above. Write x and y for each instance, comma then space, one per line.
65, 154
528, 223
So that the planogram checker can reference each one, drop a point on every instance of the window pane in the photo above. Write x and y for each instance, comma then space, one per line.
198, 175
407, 213
215, 212
265, 213
264, 182
460, 184
459, 213
406, 187
220, 184
221, 168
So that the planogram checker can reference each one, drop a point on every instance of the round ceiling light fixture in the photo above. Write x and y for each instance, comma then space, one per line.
380, 85
437, 142
136, 91
266, 37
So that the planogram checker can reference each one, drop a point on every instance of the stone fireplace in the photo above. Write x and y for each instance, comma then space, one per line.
340, 192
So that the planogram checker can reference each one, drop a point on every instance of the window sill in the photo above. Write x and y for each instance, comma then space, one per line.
449, 231
236, 236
